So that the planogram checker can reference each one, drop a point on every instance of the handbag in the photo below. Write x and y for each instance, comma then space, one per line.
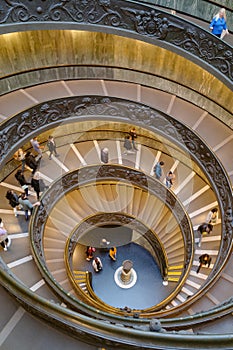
224, 32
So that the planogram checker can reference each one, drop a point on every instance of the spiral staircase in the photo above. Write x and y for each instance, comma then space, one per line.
49, 301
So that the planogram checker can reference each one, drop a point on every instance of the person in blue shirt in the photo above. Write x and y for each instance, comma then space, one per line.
158, 170
218, 23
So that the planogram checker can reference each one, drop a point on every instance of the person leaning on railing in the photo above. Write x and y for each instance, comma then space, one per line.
20, 156
218, 24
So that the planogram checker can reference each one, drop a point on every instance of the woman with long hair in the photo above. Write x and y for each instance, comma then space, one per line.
218, 24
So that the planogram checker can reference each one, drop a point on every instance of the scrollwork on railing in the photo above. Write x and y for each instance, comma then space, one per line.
23, 126
140, 19
18, 130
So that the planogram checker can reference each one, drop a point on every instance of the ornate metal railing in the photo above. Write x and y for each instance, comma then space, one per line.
101, 333
93, 174
125, 18
23, 126
201, 9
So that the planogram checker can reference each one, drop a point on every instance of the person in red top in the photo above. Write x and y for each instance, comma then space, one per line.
89, 252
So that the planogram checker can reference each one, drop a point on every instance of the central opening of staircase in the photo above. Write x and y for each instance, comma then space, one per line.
146, 286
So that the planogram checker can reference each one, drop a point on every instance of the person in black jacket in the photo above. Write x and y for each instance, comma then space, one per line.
203, 230
133, 136
127, 145
22, 181
204, 259
38, 184
13, 200
31, 162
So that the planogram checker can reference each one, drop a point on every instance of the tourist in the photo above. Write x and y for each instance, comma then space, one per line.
158, 170
203, 230
104, 155
112, 253
89, 253
31, 162
170, 177
26, 205
218, 24
52, 147
13, 199
97, 264
38, 184
212, 216
133, 136
127, 145
204, 259
36, 146
20, 156
5, 241
22, 181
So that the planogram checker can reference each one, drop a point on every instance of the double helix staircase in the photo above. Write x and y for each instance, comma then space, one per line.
108, 197
133, 201
200, 297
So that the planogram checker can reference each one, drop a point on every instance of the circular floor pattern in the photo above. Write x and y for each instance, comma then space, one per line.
120, 283
149, 289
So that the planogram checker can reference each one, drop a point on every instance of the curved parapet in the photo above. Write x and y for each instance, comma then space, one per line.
126, 18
